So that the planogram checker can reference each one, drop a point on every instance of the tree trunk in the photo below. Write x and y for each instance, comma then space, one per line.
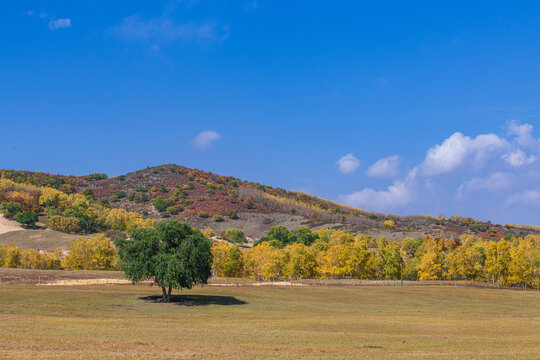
169, 294
499, 280
164, 299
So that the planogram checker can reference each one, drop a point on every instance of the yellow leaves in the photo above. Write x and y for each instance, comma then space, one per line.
51, 197
9, 185
66, 224
10, 256
78, 201
94, 253
389, 225
33, 259
525, 264
228, 260
265, 262
430, 267
120, 219
301, 261
339, 237
208, 232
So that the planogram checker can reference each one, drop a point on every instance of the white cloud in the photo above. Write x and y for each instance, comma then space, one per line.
165, 29
348, 164
518, 158
385, 167
397, 195
506, 173
59, 24
205, 139
28, 13
496, 181
527, 197
522, 132
453, 152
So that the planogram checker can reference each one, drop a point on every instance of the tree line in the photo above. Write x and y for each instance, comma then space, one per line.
321, 254
336, 254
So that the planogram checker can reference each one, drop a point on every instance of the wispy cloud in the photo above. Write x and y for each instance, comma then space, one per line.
205, 139
165, 29
59, 24
348, 164
528, 197
385, 167
28, 13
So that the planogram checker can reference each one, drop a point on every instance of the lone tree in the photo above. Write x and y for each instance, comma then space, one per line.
173, 253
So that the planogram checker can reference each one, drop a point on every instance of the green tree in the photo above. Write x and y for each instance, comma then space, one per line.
160, 204
27, 218
235, 235
174, 254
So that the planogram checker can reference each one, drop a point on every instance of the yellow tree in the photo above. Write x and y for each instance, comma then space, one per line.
497, 261
464, 262
228, 260
524, 266
33, 259
359, 259
51, 197
265, 262
430, 267
332, 263
11, 256
94, 253
301, 262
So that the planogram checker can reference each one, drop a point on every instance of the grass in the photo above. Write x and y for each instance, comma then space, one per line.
124, 322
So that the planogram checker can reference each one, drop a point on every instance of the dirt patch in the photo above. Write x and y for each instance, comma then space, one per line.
81, 282
8, 225
254, 225
41, 239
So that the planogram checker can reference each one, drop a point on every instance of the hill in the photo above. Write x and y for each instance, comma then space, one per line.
205, 199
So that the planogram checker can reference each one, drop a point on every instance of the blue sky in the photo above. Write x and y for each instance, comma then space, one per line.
417, 107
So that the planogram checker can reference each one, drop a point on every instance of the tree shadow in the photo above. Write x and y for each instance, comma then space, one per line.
196, 300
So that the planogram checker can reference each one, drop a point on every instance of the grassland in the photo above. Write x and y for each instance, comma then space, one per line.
117, 322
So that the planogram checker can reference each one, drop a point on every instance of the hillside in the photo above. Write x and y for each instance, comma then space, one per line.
206, 199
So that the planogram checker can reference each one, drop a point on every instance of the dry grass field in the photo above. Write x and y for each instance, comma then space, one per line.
311, 322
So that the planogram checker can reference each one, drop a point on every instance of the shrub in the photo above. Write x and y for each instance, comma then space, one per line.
160, 204
11, 209
218, 218
202, 215
141, 189
88, 194
121, 178
232, 215
27, 218
97, 176
235, 235
65, 224
175, 209
389, 224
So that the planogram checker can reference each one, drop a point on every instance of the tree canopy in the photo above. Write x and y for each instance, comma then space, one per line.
174, 254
